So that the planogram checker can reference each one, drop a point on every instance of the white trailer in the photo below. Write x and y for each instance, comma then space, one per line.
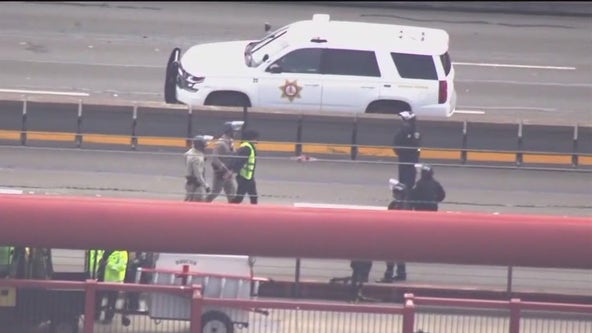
220, 276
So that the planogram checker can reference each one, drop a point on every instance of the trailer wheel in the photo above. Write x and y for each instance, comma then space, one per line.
216, 322
65, 325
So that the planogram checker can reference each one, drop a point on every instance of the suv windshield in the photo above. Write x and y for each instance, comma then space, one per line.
270, 44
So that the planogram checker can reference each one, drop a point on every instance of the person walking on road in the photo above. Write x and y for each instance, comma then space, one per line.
195, 170
244, 165
406, 147
221, 158
428, 192
399, 202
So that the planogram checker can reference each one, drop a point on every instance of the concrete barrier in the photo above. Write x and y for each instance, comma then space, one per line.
557, 8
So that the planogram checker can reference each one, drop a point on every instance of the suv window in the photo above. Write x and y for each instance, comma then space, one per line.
445, 58
350, 62
300, 61
415, 66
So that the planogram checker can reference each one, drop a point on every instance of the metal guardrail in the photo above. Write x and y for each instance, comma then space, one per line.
279, 316
462, 154
557, 8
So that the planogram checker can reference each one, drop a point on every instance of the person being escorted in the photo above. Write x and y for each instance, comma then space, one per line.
399, 202
195, 170
244, 165
221, 158
406, 147
427, 192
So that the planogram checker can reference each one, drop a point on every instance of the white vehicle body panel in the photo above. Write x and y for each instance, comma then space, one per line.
176, 307
223, 67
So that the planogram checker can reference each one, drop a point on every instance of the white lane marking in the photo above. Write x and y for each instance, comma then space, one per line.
512, 66
531, 83
514, 108
469, 111
10, 191
89, 64
45, 92
317, 205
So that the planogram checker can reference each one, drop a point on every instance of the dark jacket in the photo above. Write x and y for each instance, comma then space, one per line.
397, 204
426, 194
407, 136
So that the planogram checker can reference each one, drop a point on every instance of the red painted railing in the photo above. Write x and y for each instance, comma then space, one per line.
407, 311
280, 231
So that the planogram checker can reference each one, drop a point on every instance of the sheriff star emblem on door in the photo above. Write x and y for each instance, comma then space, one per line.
291, 90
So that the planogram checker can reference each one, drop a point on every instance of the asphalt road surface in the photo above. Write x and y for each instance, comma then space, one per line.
285, 182
509, 67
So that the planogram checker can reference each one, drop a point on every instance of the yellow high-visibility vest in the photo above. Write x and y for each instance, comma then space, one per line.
5, 255
116, 266
94, 257
248, 169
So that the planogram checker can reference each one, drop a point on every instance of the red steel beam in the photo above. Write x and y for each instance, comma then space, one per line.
285, 231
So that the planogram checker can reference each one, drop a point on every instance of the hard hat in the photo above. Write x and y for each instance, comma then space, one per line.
407, 115
396, 186
233, 126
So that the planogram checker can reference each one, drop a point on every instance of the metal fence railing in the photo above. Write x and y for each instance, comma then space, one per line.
573, 152
73, 305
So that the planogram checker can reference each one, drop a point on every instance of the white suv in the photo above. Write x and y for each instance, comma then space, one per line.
321, 65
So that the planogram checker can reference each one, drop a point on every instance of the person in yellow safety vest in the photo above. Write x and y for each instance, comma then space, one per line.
115, 265
5, 260
244, 166
94, 261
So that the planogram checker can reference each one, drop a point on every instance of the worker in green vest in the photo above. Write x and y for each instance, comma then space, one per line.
244, 166
94, 260
5, 260
96, 269
115, 267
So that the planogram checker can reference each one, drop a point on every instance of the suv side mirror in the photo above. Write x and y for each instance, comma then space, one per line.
266, 27
274, 68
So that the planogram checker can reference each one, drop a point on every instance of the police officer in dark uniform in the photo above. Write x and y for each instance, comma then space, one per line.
406, 147
428, 192
360, 274
399, 202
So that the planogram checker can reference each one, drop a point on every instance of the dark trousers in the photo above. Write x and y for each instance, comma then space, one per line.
109, 307
245, 186
407, 174
360, 274
111, 302
99, 295
390, 269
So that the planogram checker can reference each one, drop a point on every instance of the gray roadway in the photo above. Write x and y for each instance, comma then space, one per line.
119, 50
286, 182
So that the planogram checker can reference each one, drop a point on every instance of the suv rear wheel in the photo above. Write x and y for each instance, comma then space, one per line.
388, 107
227, 98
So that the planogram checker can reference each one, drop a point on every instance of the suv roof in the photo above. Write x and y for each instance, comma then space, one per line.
399, 38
